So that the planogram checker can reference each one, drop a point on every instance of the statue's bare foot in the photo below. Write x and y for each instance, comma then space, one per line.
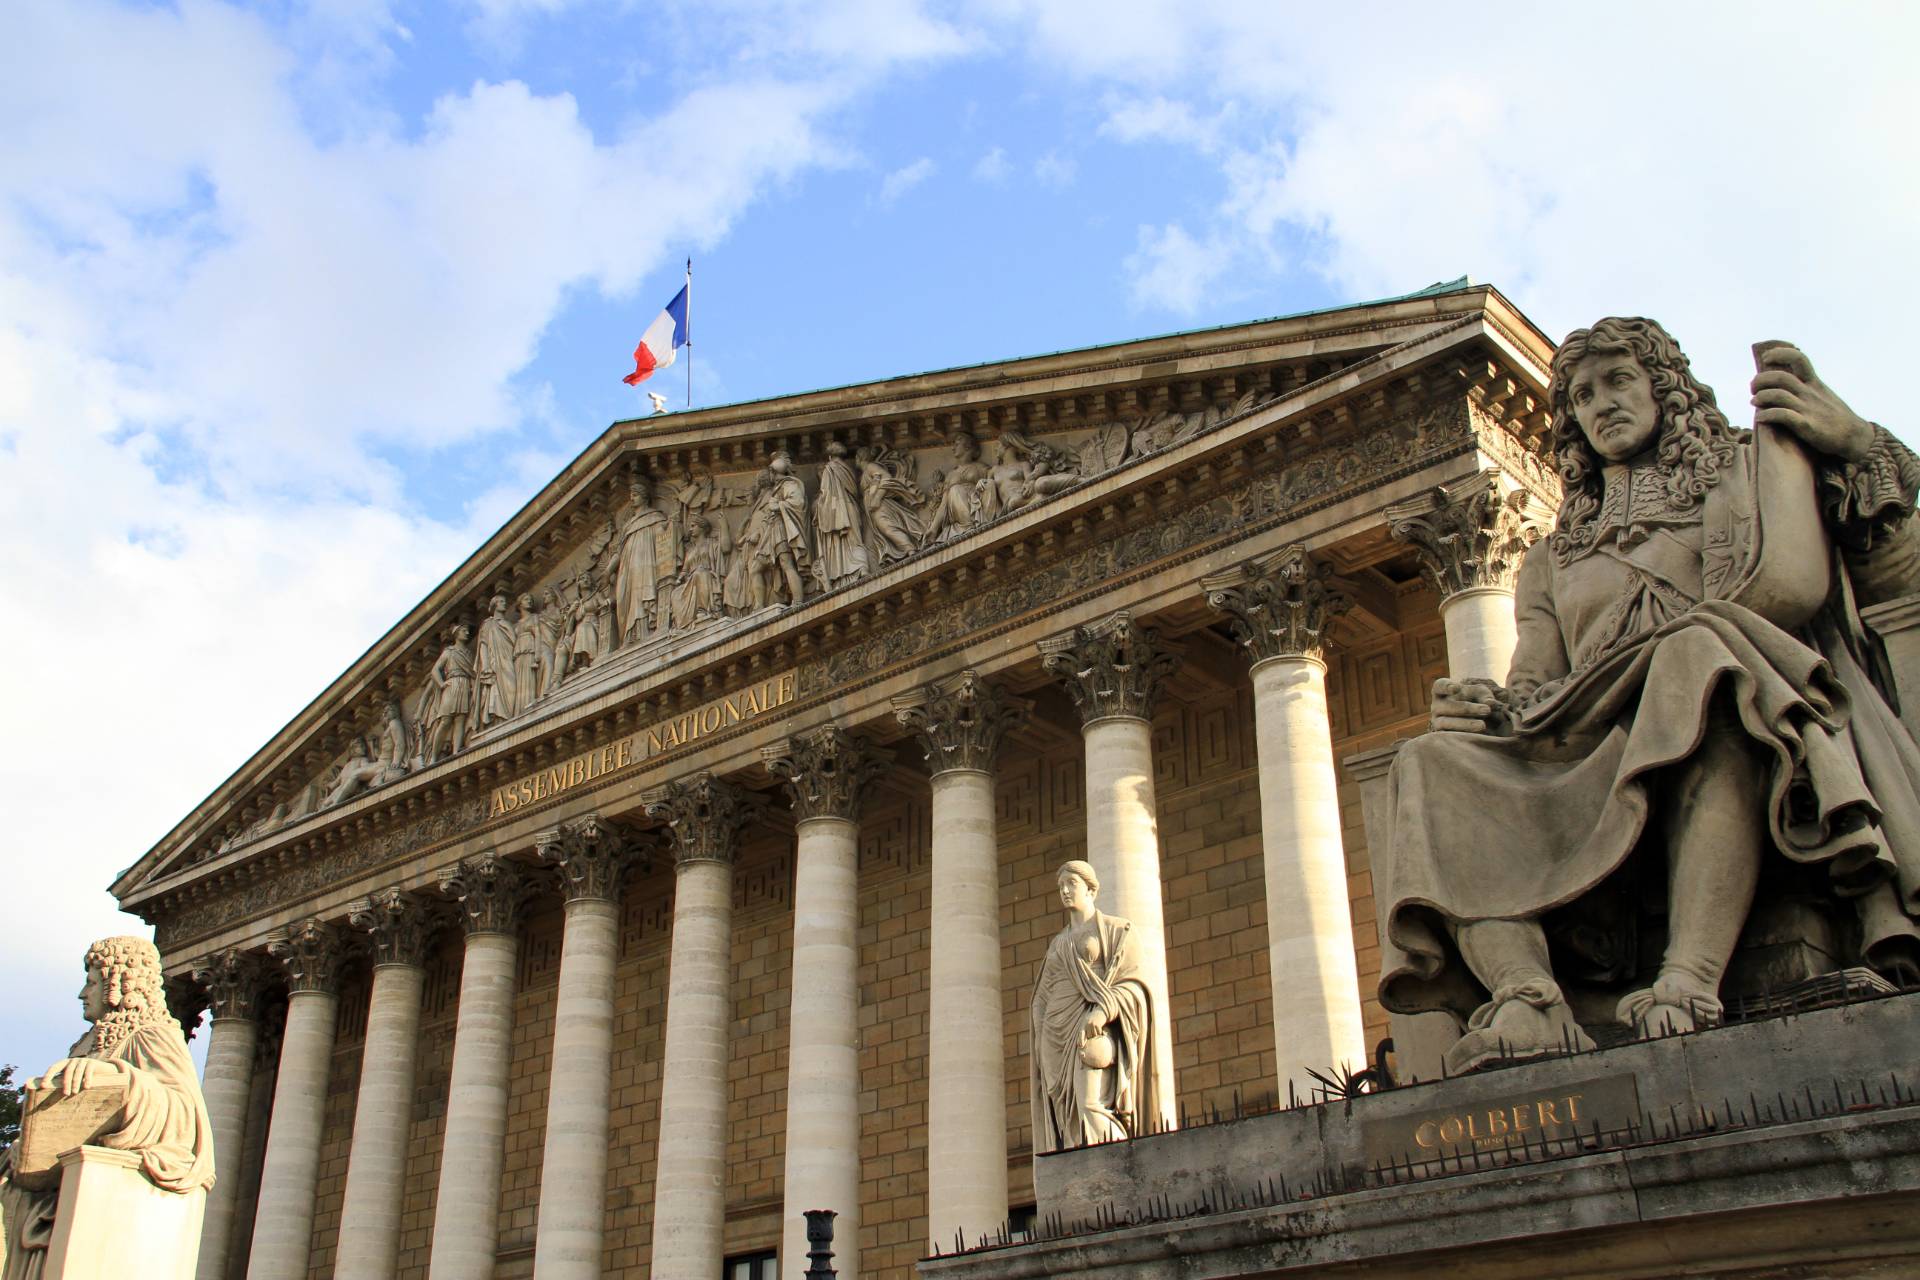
1512, 1025
1670, 1007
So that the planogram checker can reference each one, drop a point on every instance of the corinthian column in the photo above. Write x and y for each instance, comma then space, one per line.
1279, 608
960, 721
490, 891
312, 952
592, 855
232, 980
1470, 537
1113, 671
369, 1247
825, 771
704, 817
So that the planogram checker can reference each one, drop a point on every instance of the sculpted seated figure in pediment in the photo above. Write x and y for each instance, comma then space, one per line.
1696, 717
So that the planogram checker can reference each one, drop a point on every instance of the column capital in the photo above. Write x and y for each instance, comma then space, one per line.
960, 720
592, 854
1279, 605
1112, 668
704, 817
233, 980
313, 952
1468, 534
826, 771
399, 922
489, 889
187, 999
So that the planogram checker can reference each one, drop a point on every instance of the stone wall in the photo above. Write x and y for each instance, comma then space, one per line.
1209, 826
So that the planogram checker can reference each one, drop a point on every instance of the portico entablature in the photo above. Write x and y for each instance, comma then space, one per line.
1313, 465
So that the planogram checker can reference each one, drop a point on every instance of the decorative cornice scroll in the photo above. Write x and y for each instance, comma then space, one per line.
592, 854
960, 720
826, 771
1469, 534
1279, 605
399, 922
1113, 668
704, 816
313, 952
233, 980
489, 890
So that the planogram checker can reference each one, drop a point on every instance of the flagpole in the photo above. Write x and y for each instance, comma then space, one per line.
689, 333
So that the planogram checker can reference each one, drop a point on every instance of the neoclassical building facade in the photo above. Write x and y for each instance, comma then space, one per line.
685, 860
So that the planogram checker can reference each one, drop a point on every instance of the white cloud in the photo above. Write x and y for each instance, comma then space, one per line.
992, 168
904, 179
1055, 170
1161, 119
1169, 270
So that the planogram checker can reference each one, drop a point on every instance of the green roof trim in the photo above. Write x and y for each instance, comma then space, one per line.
1459, 284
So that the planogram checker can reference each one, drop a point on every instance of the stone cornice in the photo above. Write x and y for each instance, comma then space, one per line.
1047, 556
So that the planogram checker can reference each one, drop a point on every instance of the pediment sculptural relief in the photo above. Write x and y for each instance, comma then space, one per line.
1696, 733
689, 557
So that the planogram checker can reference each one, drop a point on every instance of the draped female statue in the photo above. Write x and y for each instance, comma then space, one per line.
1694, 704
1093, 1027
133, 1046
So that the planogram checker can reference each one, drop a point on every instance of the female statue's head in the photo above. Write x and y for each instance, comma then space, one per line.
1618, 387
123, 976
1077, 884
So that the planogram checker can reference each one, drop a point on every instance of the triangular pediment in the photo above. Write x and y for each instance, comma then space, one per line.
590, 589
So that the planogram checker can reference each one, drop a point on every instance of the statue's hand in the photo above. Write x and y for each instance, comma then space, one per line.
1788, 394
75, 1074
1096, 1026
1469, 706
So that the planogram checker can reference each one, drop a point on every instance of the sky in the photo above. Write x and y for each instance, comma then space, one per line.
299, 301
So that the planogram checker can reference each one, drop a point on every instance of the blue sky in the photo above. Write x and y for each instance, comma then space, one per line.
300, 300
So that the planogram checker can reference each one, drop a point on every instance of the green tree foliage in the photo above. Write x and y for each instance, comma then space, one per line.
9, 1107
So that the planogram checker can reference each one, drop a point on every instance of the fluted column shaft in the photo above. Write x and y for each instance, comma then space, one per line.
382, 1121
961, 721
1281, 608
703, 816
568, 1234
826, 770
466, 1219
283, 1221
227, 1083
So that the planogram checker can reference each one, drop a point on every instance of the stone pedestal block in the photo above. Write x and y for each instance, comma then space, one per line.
112, 1222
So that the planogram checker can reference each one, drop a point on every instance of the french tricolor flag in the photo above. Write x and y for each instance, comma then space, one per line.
661, 343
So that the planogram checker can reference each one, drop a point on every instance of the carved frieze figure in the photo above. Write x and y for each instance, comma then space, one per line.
495, 692
838, 523
956, 512
360, 773
532, 654
688, 492
556, 625
774, 545
592, 634
645, 558
1694, 713
448, 703
695, 595
893, 503
1023, 473
134, 1045
1093, 1027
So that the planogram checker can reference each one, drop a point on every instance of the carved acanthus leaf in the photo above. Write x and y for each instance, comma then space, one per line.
826, 771
960, 720
399, 922
187, 999
1280, 605
233, 980
592, 855
490, 890
704, 817
313, 952
1112, 668
1469, 534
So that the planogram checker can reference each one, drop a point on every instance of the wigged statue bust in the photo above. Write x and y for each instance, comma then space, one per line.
1695, 714
134, 1049
1093, 1027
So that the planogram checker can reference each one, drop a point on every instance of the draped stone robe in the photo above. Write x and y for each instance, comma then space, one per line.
1622, 648
1089, 968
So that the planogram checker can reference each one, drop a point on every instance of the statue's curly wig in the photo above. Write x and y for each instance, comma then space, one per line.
129, 968
1695, 442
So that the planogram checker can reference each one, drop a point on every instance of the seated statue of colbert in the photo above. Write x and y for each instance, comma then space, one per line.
1695, 713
